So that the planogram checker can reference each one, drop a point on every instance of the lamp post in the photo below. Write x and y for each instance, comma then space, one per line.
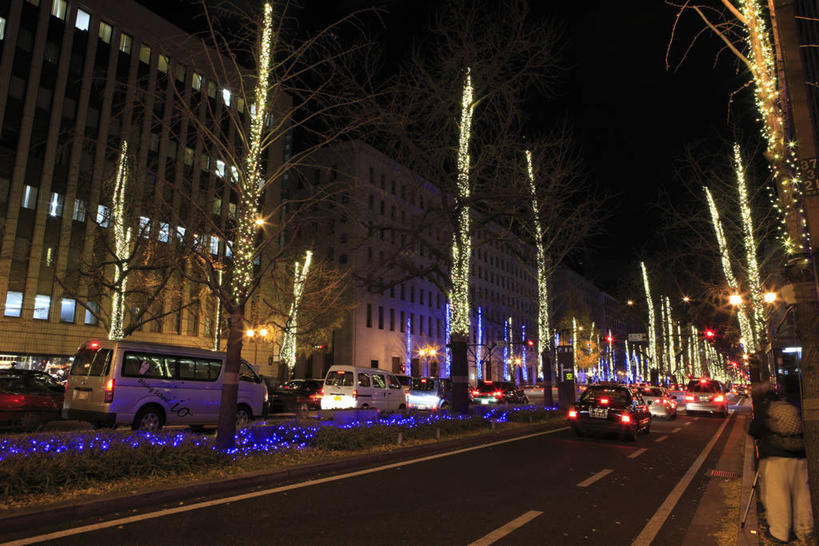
255, 335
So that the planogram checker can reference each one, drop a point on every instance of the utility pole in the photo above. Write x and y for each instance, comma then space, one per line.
801, 269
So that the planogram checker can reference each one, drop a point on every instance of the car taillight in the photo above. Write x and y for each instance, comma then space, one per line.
315, 396
497, 394
321, 392
572, 414
355, 394
689, 398
604, 401
476, 392
625, 418
719, 398
109, 391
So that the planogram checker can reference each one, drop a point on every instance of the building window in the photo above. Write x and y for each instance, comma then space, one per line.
429, 326
380, 317
29, 197
2, 28
144, 226
212, 90
392, 320
226, 97
220, 168
188, 156
105, 32
179, 73
402, 323
79, 210
125, 43
412, 323
369, 316
412, 294
420, 324
145, 54
162, 64
83, 20
196, 81
55, 205
14, 304
180, 233
67, 307
42, 304
214, 245
90, 313
103, 216
164, 232
58, 9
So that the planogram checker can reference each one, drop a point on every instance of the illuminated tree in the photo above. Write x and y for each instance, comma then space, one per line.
652, 324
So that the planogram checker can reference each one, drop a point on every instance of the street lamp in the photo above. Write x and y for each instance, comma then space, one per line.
686, 299
255, 335
426, 353
769, 297
735, 300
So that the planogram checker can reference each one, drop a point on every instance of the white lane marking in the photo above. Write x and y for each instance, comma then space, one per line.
676, 429
262, 493
501, 532
687, 423
588, 481
637, 453
661, 439
656, 522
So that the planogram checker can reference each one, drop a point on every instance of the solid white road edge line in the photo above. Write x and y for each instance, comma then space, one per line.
637, 453
501, 532
254, 494
656, 522
588, 481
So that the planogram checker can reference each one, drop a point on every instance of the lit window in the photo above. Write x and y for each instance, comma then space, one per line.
228, 249
162, 64
145, 54
180, 233
214, 244
67, 307
55, 205
103, 216
105, 32
204, 162
226, 97
179, 73
29, 197
217, 206
125, 43
196, 81
234, 172
144, 226
164, 232
14, 304
240, 105
58, 9
2, 28
220, 168
42, 304
212, 90
79, 210
83, 20
188, 156
91, 313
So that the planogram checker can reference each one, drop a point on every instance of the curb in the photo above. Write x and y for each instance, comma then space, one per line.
28, 519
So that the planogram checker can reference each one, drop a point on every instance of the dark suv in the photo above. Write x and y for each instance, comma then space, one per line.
498, 392
706, 395
610, 408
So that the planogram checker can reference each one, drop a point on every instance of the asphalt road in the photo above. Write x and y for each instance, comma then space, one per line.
549, 488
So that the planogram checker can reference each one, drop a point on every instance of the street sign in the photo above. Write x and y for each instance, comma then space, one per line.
637, 338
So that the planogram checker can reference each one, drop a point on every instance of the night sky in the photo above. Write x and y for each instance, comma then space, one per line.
631, 116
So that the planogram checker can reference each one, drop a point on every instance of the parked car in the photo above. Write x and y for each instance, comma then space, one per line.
430, 393
150, 385
352, 387
29, 398
406, 382
498, 392
659, 403
706, 395
297, 395
610, 408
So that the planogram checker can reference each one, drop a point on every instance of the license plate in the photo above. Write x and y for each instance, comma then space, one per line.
484, 401
705, 398
598, 413
80, 395
337, 398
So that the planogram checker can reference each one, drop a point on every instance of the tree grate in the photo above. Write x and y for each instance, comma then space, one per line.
722, 474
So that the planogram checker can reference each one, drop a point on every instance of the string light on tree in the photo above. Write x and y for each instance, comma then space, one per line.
542, 285
479, 363
288, 350
652, 340
122, 245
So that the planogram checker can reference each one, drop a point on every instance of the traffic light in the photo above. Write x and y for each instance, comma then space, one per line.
709, 334
610, 338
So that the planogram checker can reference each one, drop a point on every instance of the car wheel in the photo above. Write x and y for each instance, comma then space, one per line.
243, 417
149, 419
402, 407
630, 434
444, 406
648, 427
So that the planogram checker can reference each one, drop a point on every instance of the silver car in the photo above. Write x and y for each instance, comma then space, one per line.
706, 395
660, 404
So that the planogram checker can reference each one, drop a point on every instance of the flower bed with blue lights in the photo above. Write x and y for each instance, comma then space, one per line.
40, 464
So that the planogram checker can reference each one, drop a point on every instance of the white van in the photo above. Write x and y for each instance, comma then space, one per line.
352, 387
149, 385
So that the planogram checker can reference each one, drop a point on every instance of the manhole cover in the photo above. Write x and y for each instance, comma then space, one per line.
722, 474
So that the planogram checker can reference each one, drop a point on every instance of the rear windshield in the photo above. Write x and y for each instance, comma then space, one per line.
91, 362
696, 386
488, 387
652, 392
423, 385
339, 379
617, 398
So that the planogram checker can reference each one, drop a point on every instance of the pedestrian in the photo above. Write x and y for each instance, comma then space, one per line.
783, 469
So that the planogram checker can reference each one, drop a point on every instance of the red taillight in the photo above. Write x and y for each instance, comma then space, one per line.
315, 396
321, 393
94, 345
476, 392
719, 398
497, 394
689, 398
604, 401
625, 418
355, 394
572, 414
109, 391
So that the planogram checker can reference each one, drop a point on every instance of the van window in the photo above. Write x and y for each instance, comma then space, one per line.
147, 365
394, 384
363, 380
91, 362
378, 381
339, 379
246, 373
196, 369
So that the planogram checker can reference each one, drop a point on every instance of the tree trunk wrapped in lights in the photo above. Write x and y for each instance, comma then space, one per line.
122, 246
543, 341
289, 345
652, 328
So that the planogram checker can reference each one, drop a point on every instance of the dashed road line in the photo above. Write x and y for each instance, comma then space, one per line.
590, 480
661, 439
676, 429
501, 532
637, 453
